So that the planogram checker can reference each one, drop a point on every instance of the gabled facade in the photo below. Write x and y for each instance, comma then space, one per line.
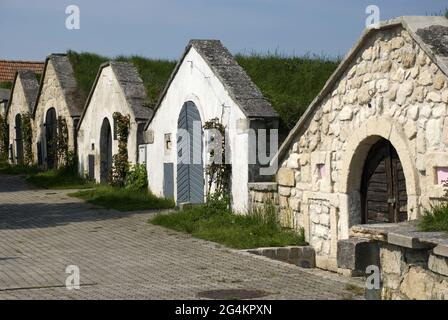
58, 101
207, 83
372, 146
117, 88
24, 92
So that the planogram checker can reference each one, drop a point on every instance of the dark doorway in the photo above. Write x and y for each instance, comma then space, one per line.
105, 152
383, 186
19, 139
50, 138
190, 168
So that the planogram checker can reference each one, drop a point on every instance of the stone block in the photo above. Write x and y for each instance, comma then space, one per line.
438, 264
417, 284
270, 253
285, 177
441, 250
284, 191
263, 186
406, 241
294, 253
283, 254
303, 256
391, 258
357, 253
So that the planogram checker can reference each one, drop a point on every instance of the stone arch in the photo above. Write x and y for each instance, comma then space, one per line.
105, 151
357, 148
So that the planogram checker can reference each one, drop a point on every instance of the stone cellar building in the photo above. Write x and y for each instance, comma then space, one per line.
24, 92
58, 99
372, 146
206, 84
117, 88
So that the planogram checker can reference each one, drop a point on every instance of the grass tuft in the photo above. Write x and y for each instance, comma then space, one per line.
63, 178
259, 228
290, 83
435, 219
123, 199
7, 168
154, 72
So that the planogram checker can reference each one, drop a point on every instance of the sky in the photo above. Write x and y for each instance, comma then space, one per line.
161, 28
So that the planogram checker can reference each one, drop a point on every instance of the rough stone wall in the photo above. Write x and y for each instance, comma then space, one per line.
391, 89
410, 274
52, 96
18, 105
261, 193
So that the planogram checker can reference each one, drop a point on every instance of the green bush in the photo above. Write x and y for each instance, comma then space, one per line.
435, 219
137, 178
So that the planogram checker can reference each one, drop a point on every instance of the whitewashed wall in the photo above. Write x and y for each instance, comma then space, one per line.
196, 82
107, 98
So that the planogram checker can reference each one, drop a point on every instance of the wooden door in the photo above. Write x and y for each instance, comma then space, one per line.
50, 138
383, 186
190, 175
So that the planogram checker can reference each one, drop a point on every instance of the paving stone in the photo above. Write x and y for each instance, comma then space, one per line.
121, 256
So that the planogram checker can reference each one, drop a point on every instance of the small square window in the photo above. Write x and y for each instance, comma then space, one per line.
320, 170
168, 143
441, 175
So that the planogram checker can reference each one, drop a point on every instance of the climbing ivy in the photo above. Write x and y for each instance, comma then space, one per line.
27, 136
120, 163
4, 138
62, 149
218, 172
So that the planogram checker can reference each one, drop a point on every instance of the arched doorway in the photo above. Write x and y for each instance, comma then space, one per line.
50, 137
190, 168
19, 138
105, 152
383, 185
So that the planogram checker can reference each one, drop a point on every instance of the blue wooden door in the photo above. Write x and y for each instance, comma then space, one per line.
168, 180
190, 168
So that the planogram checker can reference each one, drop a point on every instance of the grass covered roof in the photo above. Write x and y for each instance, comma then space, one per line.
289, 83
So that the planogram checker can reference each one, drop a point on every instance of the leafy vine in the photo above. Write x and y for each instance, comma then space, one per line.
218, 170
27, 136
62, 148
4, 138
120, 163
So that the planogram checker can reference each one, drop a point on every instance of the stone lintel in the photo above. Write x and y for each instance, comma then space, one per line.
263, 186
407, 241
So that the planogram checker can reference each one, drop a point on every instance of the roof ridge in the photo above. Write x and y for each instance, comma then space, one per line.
410, 23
